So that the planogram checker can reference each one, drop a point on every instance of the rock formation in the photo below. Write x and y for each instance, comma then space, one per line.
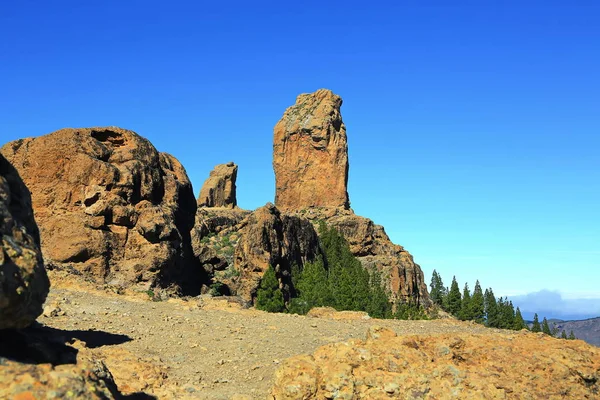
268, 237
219, 189
310, 154
310, 159
519, 365
23, 280
402, 277
236, 247
108, 204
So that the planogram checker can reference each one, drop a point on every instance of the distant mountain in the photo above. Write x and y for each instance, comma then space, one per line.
585, 329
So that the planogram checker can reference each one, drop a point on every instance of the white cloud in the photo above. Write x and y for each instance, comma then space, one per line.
551, 304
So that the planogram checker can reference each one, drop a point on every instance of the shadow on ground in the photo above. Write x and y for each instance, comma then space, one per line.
41, 344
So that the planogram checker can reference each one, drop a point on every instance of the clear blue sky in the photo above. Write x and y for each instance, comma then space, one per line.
474, 128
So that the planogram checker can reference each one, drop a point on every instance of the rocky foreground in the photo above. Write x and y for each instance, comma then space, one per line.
212, 348
134, 261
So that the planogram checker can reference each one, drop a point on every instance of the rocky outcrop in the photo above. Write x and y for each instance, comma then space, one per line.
24, 284
310, 154
88, 379
40, 362
109, 205
268, 237
236, 247
310, 159
214, 237
219, 189
402, 277
519, 365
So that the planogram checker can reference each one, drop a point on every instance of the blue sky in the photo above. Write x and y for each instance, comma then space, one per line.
473, 127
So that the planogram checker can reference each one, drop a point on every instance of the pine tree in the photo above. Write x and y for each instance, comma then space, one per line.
478, 304
572, 336
438, 291
379, 305
409, 311
347, 279
506, 313
536, 327
491, 309
563, 334
519, 321
546, 327
312, 288
270, 297
465, 307
454, 299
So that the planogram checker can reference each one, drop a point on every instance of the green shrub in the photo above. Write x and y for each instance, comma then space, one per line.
269, 297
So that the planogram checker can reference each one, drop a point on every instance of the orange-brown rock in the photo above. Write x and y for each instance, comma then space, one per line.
24, 284
108, 204
268, 237
401, 276
310, 154
519, 365
310, 159
219, 189
88, 379
236, 247
214, 237
36, 363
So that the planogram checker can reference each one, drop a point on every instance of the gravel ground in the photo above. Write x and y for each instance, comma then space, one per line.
211, 349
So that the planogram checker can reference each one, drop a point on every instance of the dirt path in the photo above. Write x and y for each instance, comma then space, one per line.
209, 349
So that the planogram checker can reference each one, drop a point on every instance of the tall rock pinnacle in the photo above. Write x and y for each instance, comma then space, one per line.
310, 154
219, 189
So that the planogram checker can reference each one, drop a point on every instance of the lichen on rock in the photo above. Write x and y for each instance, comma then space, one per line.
24, 284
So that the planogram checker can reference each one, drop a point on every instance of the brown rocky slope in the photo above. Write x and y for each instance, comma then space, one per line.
211, 348
109, 205
520, 365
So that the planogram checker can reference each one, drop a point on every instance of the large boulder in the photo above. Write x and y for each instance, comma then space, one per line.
219, 189
24, 284
109, 205
497, 365
310, 154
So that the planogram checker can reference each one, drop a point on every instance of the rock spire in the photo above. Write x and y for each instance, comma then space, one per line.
219, 189
310, 154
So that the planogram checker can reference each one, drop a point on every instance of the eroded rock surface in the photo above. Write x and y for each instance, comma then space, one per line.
269, 237
519, 365
24, 284
89, 379
236, 247
310, 159
219, 189
310, 154
108, 204
402, 277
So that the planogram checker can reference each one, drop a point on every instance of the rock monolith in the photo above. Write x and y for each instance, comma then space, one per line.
310, 154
